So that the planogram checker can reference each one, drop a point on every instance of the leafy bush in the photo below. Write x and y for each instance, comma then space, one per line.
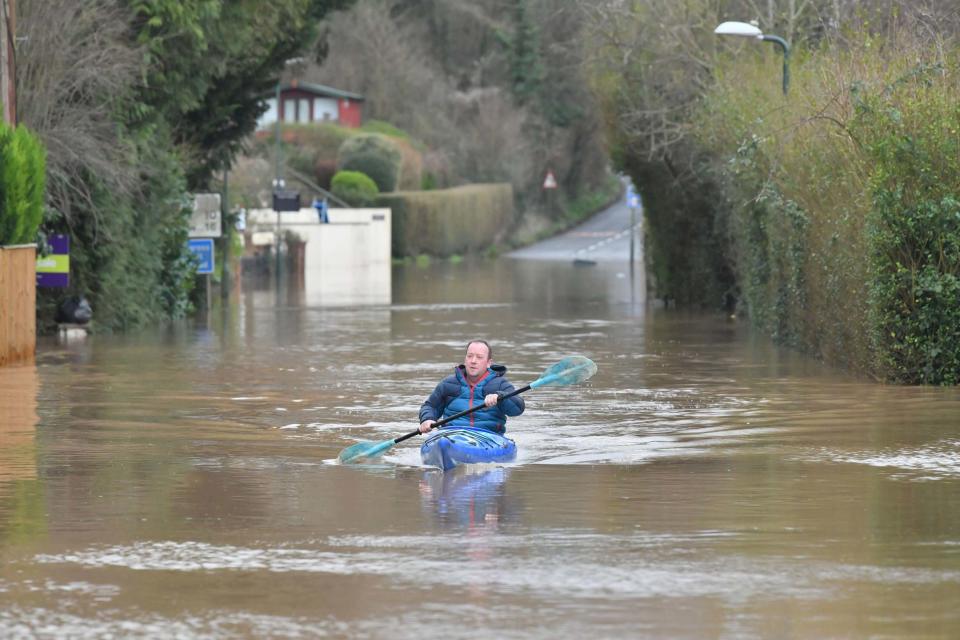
22, 184
910, 130
132, 264
354, 187
373, 155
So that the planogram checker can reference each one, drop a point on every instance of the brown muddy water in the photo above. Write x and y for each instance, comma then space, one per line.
705, 484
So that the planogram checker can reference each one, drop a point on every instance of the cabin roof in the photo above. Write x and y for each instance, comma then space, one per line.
320, 90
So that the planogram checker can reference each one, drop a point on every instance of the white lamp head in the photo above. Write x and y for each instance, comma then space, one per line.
742, 29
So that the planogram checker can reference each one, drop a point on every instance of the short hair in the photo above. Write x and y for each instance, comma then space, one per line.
484, 343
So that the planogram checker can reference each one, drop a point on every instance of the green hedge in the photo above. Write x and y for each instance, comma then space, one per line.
842, 205
911, 133
22, 184
445, 222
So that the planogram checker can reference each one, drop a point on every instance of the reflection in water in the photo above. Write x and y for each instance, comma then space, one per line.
21, 496
472, 497
18, 422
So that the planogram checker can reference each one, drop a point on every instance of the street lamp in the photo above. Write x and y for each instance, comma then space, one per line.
745, 30
278, 182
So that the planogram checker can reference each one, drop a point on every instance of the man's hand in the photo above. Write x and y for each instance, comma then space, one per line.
491, 399
426, 426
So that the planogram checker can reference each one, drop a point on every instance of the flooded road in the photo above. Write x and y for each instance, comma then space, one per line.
704, 484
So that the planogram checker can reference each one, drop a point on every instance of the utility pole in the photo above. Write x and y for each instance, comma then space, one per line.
8, 70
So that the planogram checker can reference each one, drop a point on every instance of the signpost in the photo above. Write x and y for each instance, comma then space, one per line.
283, 200
633, 201
203, 249
205, 225
550, 189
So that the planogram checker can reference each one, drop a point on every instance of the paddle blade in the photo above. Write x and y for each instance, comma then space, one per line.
570, 370
364, 451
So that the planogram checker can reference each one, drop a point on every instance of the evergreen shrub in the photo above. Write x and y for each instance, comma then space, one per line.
22, 185
354, 187
373, 155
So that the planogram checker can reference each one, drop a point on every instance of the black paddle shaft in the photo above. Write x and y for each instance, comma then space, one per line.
466, 412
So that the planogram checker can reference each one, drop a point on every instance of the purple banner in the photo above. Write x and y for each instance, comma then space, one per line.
59, 243
53, 270
61, 280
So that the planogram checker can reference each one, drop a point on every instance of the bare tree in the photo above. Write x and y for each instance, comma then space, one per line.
74, 65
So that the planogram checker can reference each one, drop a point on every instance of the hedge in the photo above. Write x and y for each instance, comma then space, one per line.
448, 221
842, 206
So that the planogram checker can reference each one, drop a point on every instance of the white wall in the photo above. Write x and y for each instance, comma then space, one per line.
347, 261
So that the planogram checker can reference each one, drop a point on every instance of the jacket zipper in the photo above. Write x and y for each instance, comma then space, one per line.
470, 405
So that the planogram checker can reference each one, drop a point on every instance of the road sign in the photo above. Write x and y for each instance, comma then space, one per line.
203, 249
284, 200
633, 200
549, 182
205, 220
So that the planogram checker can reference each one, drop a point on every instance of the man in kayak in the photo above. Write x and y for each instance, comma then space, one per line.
475, 381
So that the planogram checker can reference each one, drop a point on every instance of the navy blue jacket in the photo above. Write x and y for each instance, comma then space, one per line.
454, 394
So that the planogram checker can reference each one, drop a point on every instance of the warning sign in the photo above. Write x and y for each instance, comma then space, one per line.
549, 182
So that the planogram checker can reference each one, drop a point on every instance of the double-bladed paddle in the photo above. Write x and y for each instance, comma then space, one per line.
570, 370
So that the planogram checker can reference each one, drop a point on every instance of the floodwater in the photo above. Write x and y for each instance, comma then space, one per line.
704, 484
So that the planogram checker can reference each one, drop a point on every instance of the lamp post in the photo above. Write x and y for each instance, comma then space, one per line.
278, 183
745, 30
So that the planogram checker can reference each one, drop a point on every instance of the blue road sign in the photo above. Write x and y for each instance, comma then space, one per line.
203, 249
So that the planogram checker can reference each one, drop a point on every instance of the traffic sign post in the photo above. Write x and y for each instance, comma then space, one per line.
633, 201
549, 189
202, 248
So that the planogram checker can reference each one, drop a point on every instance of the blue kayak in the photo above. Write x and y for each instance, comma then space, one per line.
451, 447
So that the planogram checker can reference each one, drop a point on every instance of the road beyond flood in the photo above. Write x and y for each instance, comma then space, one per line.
180, 483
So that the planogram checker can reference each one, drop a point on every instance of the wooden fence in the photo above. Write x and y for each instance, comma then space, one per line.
18, 302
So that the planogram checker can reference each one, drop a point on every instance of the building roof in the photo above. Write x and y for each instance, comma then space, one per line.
320, 90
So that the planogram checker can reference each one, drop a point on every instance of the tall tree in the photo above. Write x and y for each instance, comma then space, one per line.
139, 101
210, 63
524, 54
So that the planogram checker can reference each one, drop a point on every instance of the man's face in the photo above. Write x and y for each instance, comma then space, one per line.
477, 359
